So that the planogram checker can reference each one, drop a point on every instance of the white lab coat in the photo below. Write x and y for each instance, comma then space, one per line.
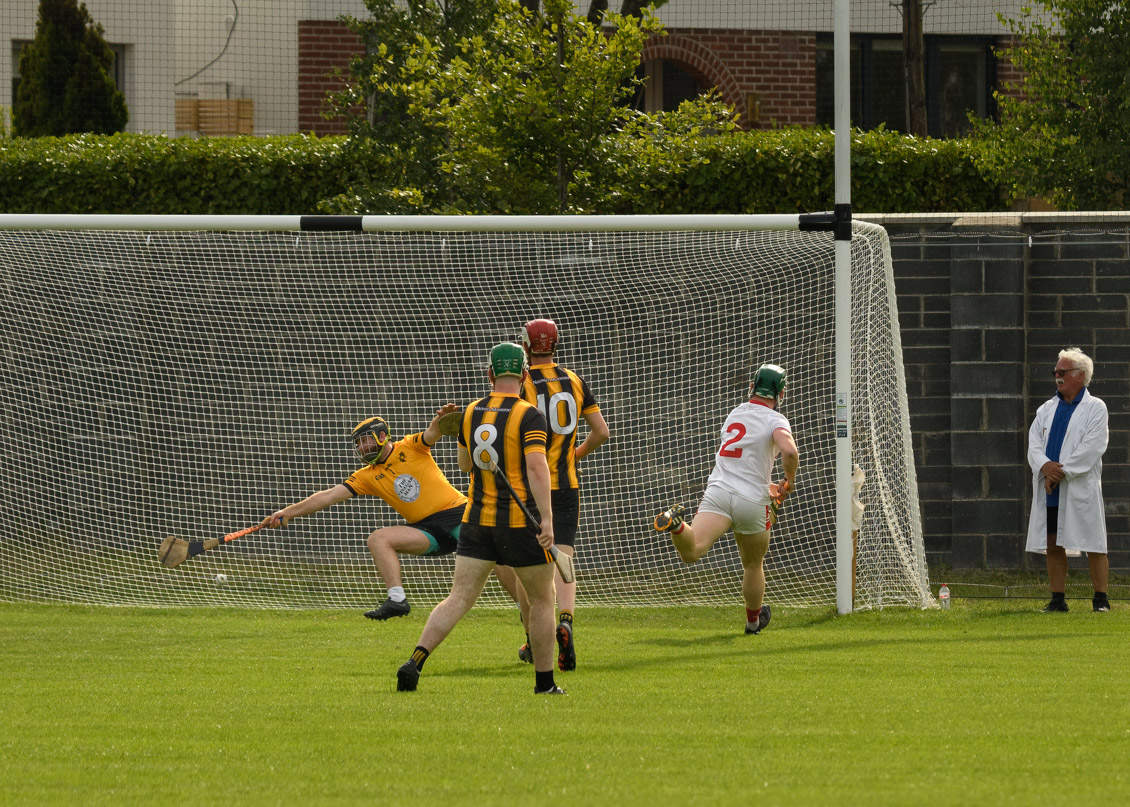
1082, 520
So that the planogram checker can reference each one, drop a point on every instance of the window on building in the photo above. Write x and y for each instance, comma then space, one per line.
668, 85
960, 74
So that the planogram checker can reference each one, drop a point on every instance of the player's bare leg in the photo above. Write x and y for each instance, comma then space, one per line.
752, 550
385, 545
692, 541
470, 576
513, 586
538, 583
509, 581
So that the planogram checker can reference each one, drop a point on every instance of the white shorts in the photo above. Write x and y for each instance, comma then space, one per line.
746, 517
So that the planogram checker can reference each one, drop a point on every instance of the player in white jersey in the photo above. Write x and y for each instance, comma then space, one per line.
740, 493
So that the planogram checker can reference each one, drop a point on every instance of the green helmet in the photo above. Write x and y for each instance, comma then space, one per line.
507, 358
768, 381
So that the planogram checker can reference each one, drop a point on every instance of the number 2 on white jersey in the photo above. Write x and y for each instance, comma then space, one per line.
738, 430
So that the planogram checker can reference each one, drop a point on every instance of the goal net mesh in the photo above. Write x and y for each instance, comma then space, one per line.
190, 383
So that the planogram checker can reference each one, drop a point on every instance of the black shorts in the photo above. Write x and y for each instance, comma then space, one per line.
566, 515
442, 529
507, 546
1053, 521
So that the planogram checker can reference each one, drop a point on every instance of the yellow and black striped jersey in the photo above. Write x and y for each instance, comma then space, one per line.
563, 398
409, 480
503, 429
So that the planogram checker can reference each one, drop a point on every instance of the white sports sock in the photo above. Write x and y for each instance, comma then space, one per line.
396, 594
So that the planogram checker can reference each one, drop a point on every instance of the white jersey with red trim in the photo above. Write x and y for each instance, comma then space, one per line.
744, 464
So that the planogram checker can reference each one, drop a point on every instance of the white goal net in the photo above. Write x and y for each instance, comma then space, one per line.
190, 383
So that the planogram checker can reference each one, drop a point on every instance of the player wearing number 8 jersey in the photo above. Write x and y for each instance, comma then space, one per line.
505, 435
739, 493
564, 399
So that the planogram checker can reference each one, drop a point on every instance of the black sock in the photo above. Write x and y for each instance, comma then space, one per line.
1057, 596
1100, 596
566, 616
543, 680
419, 656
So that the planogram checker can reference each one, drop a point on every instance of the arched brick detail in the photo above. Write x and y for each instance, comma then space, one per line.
702, 63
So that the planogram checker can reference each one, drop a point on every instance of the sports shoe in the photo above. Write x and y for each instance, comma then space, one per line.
407, 677
1056, 606
566, 655
670, 519
1100, 605
526, 654
762, 620
388, 609
555, 691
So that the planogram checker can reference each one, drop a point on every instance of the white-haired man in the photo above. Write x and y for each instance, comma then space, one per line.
1065, 447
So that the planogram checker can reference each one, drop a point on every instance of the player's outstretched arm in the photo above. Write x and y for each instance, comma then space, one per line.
434, 432
311, 504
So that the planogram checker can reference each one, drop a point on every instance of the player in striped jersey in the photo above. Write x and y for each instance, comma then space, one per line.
739, 493
563, 398
500, 436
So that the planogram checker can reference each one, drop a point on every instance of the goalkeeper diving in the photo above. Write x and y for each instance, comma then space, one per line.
405, 475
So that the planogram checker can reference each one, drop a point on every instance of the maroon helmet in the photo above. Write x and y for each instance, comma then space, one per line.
539, 337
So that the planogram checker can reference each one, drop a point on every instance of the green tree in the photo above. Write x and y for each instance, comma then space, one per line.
65, 77
535, 97
1064, 130
407, 46
512, 119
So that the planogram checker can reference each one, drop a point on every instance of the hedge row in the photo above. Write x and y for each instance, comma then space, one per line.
756, 172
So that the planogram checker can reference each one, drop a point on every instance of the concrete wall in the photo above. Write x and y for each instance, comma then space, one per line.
985, 304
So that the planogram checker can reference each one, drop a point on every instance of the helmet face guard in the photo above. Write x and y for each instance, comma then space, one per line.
539, 337
768, 381
507, 358
371, 450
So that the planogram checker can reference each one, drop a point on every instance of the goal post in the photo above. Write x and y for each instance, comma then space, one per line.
190, 375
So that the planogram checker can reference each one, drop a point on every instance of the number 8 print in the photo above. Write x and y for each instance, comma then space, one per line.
485, 452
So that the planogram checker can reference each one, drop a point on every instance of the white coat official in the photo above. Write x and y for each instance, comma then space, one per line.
1082, 520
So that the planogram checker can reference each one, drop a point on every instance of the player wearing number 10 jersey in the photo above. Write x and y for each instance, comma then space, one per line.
564, 398
740, 493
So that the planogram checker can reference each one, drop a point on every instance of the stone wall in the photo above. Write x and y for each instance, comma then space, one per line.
985, 304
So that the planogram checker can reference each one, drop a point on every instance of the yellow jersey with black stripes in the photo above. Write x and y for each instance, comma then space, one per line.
563, 398
409, 480
501, 429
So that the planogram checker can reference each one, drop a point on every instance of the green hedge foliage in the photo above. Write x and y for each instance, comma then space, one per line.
793, 170
150, 174
745, 172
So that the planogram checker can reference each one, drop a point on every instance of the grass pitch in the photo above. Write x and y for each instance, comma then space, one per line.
988, 703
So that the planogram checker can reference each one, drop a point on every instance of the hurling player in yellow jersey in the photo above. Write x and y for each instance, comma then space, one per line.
502, 446
405, 475
564, 399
